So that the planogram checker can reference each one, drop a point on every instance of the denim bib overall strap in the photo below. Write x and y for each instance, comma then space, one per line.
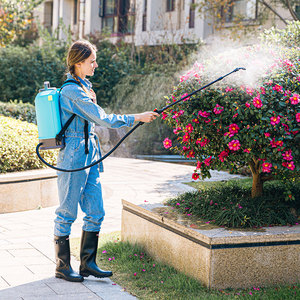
59, 137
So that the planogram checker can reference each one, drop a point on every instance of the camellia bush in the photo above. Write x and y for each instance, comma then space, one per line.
232, 125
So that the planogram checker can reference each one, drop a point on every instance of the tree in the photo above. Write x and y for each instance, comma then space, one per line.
15, 18
232, 125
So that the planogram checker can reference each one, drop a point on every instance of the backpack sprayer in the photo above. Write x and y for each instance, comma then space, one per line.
51, 132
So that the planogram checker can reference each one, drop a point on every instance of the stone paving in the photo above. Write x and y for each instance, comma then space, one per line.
27, 261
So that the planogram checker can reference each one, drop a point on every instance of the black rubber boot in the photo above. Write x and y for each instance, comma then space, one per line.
62, 256
88, 252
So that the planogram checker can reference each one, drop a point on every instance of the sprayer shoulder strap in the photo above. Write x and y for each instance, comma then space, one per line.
60, 135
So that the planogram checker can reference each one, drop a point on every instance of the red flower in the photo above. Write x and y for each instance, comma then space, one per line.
186, 138
207, 161
287, 155
189, 128
223, 155
195, 176
278, 88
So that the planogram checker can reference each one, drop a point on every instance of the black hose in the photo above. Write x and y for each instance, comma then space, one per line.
94, 163
159, 111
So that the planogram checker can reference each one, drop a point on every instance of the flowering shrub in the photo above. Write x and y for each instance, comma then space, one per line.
231, 126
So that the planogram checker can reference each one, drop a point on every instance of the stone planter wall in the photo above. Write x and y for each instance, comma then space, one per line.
218, 258
28, 190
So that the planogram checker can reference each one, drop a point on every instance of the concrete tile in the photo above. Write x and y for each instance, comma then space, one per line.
30, 252
3, 284
64, 287
81, 296
42, 269
26, 290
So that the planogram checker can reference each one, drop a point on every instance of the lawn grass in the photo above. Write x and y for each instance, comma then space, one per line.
148, 279
204, 185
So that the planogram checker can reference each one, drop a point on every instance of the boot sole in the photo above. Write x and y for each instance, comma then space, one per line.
84, 274
58, 275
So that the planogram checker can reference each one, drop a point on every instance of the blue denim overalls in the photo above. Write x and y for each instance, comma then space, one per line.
82, 187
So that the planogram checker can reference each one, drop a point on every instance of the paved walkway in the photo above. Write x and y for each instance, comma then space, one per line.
27, 261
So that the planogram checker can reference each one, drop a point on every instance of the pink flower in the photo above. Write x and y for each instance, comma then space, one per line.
195, 176
275, 120
218, 109
249, 91
287, 155
278, 88
178, 114
202, 142
164, 115
263, 91
266, 167
144, 270
207, 161
247, 104
184, 95
196, 121
234, 145
228, 89
298, 117
167, 143
233, 128
177, 129
203, 114
267, 134
247, 150
134, 274
189, 128
294, 99
257, 102
104, 251
199, 164
235, 115
289, 164
178, 204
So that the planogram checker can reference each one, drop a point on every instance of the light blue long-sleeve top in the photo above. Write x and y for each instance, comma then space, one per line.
74, 100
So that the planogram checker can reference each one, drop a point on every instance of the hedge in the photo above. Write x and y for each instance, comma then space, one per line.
18, 140
18, 110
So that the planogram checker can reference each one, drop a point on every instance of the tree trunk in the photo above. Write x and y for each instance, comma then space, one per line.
257, 181
257, 185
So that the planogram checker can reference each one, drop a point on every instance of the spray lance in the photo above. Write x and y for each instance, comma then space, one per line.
51, 93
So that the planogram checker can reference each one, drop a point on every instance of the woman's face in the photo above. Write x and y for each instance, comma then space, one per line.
87, 67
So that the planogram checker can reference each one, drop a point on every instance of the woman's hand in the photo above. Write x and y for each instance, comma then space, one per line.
93, 96
146, 117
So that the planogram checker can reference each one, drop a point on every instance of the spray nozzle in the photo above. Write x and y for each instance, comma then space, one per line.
237, 69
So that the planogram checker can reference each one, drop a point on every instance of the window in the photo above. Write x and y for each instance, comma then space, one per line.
170, 5
297, 10
144, 25
75, 12
48, 16
192, 14
118, 16
239, 10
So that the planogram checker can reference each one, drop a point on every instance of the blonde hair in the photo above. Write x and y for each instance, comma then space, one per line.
78, 52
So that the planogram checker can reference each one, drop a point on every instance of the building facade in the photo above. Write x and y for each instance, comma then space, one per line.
142, 22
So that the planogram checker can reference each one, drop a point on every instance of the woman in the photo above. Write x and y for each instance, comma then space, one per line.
82, 148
